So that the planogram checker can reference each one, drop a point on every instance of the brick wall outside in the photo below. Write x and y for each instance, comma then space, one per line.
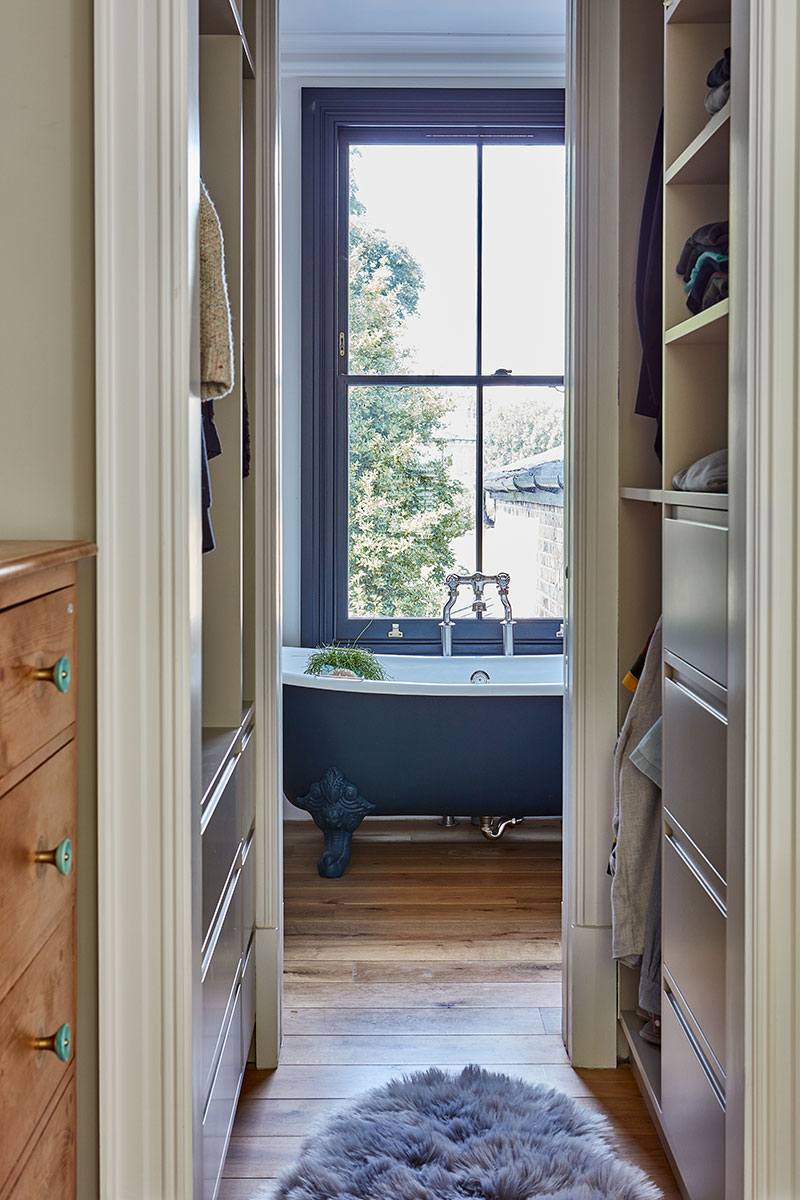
547, 545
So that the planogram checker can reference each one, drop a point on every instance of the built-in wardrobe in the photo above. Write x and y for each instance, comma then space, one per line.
679, 557
225, 860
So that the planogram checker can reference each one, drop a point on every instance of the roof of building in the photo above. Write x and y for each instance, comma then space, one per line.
536, 480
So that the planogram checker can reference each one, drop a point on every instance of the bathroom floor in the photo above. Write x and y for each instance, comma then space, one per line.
435, 948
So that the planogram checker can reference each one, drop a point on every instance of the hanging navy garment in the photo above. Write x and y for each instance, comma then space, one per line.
205, 490
649, 290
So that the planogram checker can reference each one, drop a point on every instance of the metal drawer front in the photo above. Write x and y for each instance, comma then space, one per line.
248, 887
220, 973
696, 594
221, 844
246, 786
221, 1107
248, 1000
694, 936
692, 1108
695, 770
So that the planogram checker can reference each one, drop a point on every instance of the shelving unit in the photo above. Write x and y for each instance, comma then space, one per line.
708, 328
674, 544
708, 158
225, 870
647, 495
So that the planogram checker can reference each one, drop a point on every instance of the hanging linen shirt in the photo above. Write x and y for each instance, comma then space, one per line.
637, 817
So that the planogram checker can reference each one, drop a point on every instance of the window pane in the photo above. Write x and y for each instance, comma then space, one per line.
413, 260
523, 492
523, 259
412, 480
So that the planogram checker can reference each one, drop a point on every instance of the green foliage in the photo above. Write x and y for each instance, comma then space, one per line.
405, 508
346, 658
519, 429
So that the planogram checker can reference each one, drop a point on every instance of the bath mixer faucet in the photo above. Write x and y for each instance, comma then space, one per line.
478, 582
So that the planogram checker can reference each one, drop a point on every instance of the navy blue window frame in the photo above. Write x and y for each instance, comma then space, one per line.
333, 118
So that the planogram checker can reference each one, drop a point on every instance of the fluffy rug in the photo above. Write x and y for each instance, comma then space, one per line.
436, 1136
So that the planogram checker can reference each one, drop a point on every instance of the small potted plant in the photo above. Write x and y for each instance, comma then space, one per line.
345, 662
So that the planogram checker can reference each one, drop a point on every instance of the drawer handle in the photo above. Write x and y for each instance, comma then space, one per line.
60, 1043
58, 674
60, 858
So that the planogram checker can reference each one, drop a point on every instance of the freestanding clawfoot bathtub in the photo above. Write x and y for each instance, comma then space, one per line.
473, 736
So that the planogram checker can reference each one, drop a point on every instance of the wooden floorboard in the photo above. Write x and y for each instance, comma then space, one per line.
436, 948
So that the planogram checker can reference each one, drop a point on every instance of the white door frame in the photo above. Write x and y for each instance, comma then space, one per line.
590, 978
149, 586
770, 1061
148, 574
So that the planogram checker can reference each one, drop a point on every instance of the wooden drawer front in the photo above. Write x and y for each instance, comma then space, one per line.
221, 1107
40, 1002
692, 1108
695, 770
34, 636
694, 938
50, 1170
696, 595
37, 815
221, 844
221, 976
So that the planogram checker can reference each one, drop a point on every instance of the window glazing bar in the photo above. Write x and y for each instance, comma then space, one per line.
455, 380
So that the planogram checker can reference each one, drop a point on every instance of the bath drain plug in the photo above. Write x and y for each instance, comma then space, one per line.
479, 677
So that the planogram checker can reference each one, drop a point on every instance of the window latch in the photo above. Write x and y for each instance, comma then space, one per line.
341, 345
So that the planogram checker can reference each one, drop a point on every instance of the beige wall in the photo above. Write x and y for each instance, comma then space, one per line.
47, 382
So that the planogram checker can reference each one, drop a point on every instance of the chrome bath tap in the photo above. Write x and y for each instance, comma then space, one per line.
478, 582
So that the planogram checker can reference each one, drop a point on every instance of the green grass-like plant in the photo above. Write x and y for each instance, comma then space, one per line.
348, 658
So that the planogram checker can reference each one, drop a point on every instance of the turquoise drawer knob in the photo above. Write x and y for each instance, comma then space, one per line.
60, 1043
60, 858
58, 674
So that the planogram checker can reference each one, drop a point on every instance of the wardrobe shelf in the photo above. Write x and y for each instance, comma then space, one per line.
223, 17
650, 495
698, 12
645, 1055
706, 328
711, 500
707, 158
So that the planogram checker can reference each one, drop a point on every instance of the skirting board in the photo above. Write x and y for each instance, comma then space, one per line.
592, 1005
269, 994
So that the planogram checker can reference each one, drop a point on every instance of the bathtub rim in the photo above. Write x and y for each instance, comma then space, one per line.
399, 687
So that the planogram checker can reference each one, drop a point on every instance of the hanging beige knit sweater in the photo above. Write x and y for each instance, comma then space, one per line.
216, 338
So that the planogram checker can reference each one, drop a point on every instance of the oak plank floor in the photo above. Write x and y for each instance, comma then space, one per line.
437, 948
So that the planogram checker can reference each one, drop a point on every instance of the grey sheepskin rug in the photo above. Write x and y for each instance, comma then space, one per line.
437, 1136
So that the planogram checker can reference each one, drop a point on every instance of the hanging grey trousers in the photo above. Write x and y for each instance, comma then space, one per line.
650, 977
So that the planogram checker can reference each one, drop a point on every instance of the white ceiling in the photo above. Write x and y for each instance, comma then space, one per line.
530, 18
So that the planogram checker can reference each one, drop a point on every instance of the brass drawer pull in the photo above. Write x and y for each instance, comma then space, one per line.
58, 674
60, 1043
60, 858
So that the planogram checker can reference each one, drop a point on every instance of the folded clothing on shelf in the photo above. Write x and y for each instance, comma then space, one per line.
719, 84
705, 283
718, 97
704, 266
708, 474
721, 71
708, 237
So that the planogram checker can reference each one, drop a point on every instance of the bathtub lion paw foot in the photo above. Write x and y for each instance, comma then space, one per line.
338, 809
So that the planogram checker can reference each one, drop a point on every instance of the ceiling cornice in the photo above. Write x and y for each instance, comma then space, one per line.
419, 55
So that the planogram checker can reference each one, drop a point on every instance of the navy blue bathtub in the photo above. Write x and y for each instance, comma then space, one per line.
426, 742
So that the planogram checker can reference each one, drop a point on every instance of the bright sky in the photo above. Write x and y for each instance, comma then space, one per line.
425, 198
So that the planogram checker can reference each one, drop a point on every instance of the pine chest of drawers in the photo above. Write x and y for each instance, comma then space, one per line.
38, 819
